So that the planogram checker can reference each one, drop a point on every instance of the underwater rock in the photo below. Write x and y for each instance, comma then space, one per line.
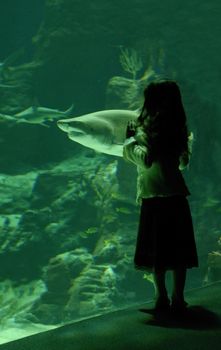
47, 313
66, 226
63, 268
214, 260
58, 276
42, 212
214, 266
92, 291
19, 93
17, 300
16, 191
107, 249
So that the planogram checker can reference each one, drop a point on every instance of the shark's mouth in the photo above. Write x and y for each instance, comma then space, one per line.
70, 129
62, 125
76, 132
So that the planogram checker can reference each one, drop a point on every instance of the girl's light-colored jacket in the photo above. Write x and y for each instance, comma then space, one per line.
160, 178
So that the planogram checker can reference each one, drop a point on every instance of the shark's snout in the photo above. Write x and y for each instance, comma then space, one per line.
72, 128
62, 125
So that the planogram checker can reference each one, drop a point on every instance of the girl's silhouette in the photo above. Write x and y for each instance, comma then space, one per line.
159, 145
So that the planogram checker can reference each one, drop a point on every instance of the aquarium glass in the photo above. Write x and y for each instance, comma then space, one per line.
68, 211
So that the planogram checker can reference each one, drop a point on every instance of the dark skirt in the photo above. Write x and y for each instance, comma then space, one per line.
165, 237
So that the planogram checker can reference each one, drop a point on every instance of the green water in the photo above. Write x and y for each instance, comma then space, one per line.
68, 215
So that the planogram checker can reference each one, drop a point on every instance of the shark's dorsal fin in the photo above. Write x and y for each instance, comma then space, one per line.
69, 110
34, 109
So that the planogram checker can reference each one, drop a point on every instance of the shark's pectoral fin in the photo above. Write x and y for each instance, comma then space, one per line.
24, 121
116, 150
44, 124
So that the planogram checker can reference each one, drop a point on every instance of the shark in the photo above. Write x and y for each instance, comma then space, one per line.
40, 115
103, 131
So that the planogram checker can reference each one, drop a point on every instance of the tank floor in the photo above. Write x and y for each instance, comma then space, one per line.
137, 328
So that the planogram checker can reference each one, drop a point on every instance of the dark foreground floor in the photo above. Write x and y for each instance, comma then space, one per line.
137, 329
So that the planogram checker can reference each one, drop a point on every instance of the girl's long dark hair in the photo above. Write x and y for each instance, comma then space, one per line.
164, 120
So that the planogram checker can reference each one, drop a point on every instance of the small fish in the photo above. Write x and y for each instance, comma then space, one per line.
90, 231
123, 210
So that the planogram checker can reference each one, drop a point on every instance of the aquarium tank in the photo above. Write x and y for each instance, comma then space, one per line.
68, 211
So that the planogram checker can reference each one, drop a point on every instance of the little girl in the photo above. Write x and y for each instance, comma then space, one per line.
158, 144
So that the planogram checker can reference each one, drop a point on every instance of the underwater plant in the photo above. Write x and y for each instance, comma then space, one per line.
130, 61
129, 90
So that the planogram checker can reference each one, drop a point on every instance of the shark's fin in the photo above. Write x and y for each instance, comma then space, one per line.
34, 109
44, 124
69, 110
24, 121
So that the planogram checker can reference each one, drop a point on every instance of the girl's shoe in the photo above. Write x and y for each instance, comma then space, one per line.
162, 304
178, 305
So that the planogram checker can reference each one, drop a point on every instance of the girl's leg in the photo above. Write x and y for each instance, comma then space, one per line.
162, 300
179, 279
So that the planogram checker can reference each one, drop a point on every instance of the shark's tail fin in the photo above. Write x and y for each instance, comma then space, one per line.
69, 110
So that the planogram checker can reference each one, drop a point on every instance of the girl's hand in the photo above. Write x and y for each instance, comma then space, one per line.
131, 128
